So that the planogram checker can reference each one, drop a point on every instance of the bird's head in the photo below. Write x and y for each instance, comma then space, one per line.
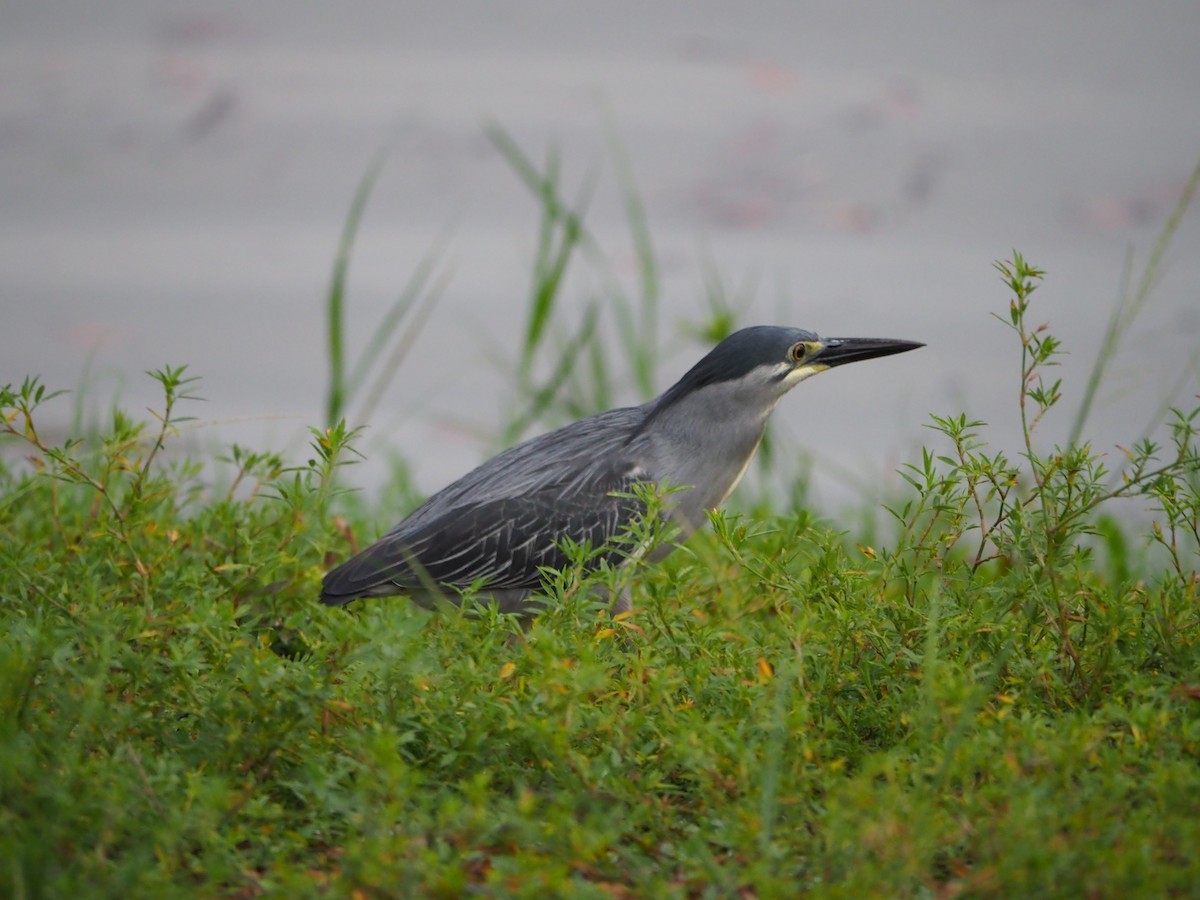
758, 365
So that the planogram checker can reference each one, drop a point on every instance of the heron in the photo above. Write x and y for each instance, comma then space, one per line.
500, 527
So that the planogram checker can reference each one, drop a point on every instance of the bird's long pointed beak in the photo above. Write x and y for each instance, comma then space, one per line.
839, 351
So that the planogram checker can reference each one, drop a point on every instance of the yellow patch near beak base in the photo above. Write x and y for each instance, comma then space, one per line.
807, 370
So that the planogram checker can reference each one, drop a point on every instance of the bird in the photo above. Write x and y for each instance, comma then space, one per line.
501, 525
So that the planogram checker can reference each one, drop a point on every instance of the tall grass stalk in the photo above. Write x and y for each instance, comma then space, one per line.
376, 366
1131, 302
579, 378
335, 298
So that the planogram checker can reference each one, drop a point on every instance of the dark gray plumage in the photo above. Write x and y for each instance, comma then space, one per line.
506, 519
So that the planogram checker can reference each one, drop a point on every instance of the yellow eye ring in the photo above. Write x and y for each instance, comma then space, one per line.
798, 352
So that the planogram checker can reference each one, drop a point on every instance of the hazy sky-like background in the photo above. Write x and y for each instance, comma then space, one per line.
174, 178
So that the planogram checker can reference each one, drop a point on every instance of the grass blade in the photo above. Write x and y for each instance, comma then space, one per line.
1129, 306
400, 351
335, 300
409, 298
642, 345
542, 398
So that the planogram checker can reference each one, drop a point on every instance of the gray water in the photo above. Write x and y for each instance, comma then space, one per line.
174, 178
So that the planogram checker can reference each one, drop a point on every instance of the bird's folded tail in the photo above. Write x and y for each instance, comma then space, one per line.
379, 571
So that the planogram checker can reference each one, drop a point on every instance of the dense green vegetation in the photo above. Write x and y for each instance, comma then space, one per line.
980, 703
999, 695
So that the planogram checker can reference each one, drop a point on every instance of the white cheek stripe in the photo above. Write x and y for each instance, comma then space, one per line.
798, 375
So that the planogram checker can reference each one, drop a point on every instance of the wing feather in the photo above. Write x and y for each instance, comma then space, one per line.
504, 521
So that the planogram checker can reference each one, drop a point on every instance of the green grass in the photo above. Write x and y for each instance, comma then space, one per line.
1000, 696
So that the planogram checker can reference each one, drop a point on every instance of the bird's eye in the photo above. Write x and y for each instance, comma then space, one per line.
798, 352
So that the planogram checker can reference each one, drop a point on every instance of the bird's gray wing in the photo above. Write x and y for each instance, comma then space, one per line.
504, 521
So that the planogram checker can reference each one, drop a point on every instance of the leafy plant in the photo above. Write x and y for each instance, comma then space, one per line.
1031, 516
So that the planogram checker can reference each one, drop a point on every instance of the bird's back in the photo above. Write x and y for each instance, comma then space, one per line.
505, 520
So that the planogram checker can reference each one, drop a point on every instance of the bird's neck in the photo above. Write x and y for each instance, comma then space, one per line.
708, 440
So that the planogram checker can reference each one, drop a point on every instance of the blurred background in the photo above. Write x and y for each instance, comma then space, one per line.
175, 178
